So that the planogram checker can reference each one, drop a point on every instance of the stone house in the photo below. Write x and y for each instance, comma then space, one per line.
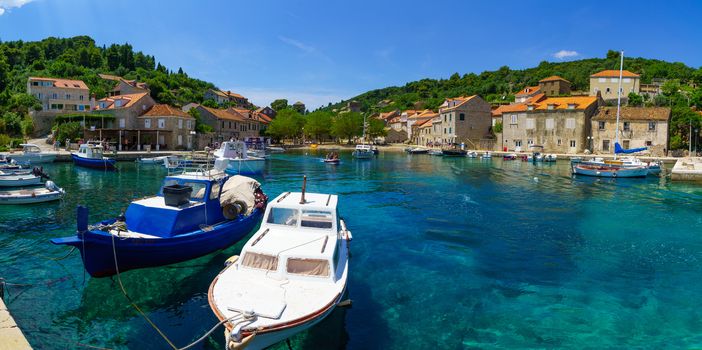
526, 93
559, 124
123, 127
268, 111
227, 123
606, 83
57, 97
171, 128
221, 97
554, 86
124, 86
417, 120
464, 120
638, 127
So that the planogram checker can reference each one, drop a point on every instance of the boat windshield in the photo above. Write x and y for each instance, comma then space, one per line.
308, 267
316, 219
283, 216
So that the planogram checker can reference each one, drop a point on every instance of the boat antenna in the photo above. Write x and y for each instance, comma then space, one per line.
304, 185
619, 103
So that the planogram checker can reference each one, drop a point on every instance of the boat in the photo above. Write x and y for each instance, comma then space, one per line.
332, 158
486, 155
91, 156
527, 157
418, 150
275, 149
233, 158
653, 167
50, 192
32, 154
612, 168
472, 154
34, 177
454, 151
510, 156
549, 158
435, 152
290, 275
152, 160
195, 213
376, 151
363, 152
607, 170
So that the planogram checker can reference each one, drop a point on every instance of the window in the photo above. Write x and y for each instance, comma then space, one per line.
121, 123
180, 140
308, 267
103, 105
605, 145
35, 83
626, 80
147, 123
180, 123
551, 106
626, 144
80, 97
260, 261
530, 142
189, 124
607, 91
627, 126
80, 107
530, 124
462, 116
316, 219
222, 125
571, 106
199, 189
445, 118
649, 143
572, 143
68, 96
230, 125
449, 130
530, 107
54, 95
601, 125
549, 124
570, 123
651, 126
614, 80
161, 123
518, 143
514, 119
283, 216
39, 95
450, 115
602, 80
560, 142
214, 190
445, 131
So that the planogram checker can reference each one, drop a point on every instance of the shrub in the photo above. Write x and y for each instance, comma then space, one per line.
72, 131
497, 128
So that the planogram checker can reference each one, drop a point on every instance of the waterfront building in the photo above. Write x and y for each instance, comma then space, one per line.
173, 128
230, 123
554, 86
222, 97
464, 120
417, 120
638, 127
268, 111
606, 83
559, 124
57, 97
124, 86
526, 93
119, 124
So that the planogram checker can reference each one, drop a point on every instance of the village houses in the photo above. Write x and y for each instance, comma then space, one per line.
230, 123
222, 97
464, 120
638, 127
174, 129
57, 96
123, 86
606, 83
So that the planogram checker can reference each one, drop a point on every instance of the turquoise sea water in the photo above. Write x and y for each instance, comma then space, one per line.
448, 253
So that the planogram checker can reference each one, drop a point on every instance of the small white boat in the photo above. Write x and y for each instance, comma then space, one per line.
435, 152
486, 155
275, 149
32, 154
608, 170
472, 154
292, 273
14, 180
363, 152
233, 158
550, 157
50, 192
152, 160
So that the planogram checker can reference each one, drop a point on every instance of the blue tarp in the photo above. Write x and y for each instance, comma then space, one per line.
618, 149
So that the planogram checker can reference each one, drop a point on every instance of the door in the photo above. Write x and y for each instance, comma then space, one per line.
180, 140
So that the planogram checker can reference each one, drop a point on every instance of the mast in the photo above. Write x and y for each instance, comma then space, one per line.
619, 102
364, 130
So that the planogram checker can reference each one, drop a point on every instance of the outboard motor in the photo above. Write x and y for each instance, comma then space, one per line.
40, 172
50, 185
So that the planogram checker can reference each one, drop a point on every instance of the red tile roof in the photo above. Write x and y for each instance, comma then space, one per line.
633, 113
529, 90
226, 114
127, 100
63, 83
552, 78
459, 101
163, 110
613, 73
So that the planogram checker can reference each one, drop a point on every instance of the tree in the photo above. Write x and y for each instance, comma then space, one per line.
635, 100
376, 128
287, 124
199, 125
347, 125
279, 104
22, 102
318, 124
210, 103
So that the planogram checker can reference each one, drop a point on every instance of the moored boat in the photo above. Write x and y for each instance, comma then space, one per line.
91, 156
19, 180
486, 155
194, 214
363, 152
152, 160
232, 157
608, 170
453, 152
510, 156
32, 154
472, 154
50, 192
291, 275
435, 152
418, 150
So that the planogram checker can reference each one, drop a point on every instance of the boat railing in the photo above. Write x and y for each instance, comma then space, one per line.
198, 163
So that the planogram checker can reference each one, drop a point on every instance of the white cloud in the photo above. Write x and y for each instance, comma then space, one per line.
8, 4
563, 54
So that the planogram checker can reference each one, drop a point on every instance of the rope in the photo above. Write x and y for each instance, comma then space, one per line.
56, 259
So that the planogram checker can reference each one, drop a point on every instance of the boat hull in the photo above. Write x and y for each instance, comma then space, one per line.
245, 166
107, 164
96, 247
34, 159
608, 171
363, 154
454, 153
19, 180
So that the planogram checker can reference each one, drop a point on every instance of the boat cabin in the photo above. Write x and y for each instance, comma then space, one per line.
232, 150
30, 148
364, 148
298, 241
90, 151
184, 202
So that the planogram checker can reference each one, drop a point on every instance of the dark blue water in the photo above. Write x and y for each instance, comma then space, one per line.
447, 254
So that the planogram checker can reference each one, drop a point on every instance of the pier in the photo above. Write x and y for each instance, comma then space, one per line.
11, 337
687, 169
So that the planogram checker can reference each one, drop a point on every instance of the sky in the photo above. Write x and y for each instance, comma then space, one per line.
322, 51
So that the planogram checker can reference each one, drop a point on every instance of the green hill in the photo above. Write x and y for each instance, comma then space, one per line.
80, 58
499, 85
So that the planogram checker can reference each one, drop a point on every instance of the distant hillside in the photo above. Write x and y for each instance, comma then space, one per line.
499, 85
80, 58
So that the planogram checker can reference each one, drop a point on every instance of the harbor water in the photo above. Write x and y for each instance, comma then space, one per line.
448, 253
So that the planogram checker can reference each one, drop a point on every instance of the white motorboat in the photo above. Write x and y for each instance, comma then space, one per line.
472, 154
486, 155
14, 180
435, 152
152, 160
232, 157
275, 149
363, 152
50, 192
32, 154
292, 273
550, 158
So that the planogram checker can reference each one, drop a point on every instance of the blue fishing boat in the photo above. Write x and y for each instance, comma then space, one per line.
91, 156
194, 214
